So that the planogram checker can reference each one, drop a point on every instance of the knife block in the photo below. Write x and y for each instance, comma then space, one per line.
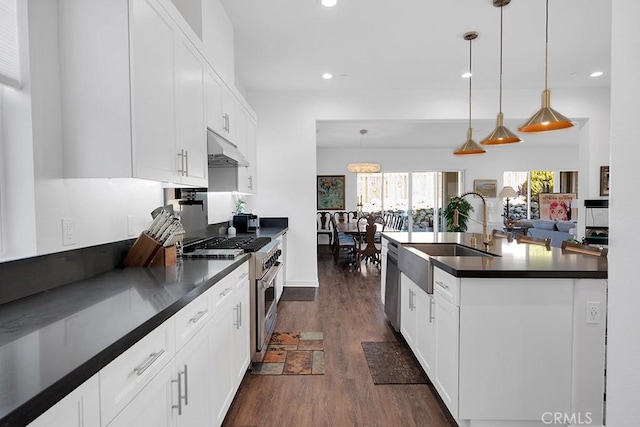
148, 252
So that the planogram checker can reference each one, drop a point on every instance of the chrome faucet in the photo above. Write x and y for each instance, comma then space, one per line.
486, 238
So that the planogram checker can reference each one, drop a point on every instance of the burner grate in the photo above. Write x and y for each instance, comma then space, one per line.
247, 244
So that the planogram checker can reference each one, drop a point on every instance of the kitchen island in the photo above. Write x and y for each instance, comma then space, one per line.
513, 336
54, 343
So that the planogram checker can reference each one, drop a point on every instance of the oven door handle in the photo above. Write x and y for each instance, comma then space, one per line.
267, 279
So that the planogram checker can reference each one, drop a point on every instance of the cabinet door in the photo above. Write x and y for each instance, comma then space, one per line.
426, 331
221, 376
192, 365
408, 311
447, 333
383, 269
247, 175
80, 408
152, 407
152, 88
230, 111
241, 335
216, 119
190, 115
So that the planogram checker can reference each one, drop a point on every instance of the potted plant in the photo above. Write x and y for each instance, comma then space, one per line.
462, 206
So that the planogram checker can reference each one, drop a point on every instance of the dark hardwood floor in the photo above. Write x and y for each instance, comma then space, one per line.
347, 310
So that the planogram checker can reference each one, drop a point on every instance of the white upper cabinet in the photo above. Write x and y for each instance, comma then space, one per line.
191, 124
152, 85
132, 98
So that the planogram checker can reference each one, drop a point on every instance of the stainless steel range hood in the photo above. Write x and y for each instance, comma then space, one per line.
222, 153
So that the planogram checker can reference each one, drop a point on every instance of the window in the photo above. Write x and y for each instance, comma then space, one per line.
9, 61
529, 185
424, 192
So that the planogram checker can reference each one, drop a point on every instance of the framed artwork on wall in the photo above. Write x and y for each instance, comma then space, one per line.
330, 192
557, 206
486, 187
604, 180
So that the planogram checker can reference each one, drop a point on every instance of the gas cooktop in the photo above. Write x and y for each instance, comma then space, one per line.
223, 247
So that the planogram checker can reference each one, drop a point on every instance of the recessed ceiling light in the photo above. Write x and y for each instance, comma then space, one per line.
596, 74
327, 76
466, 75
329, 3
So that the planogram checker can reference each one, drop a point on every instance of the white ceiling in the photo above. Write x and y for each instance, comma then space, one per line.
415, 44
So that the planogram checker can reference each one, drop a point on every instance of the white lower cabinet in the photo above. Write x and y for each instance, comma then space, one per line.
209, 357
426, 331
230, 346
153, 406
408, 311
417, 322
191, 367
80, 408
447, 332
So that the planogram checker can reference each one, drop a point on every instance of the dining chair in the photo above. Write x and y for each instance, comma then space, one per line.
535, 241
323, 226
367, 249
568, 247
343, 244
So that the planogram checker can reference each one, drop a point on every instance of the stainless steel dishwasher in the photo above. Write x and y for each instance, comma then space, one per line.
392, 287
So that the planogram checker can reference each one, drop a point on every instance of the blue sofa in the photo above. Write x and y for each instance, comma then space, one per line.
557, 231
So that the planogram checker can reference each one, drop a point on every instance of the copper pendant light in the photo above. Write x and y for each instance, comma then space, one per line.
470, 146
546, 118
501, 134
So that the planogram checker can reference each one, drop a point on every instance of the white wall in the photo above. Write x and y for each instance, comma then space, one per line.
623, 369
103, 211
287, 146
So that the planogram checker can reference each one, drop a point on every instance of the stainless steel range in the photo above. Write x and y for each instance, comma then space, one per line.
264, 267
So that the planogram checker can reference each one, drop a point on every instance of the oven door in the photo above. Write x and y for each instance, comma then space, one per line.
266, 307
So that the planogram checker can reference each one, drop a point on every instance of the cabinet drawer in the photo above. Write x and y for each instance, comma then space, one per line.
241, 275
446, 285
122, 379
190, 319
221, 292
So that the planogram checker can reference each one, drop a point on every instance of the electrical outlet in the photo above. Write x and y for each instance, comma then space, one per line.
593, 312
68, 232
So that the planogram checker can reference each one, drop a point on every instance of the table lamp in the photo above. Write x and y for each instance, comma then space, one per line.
506, 193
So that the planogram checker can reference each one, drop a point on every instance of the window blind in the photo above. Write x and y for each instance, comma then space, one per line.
9, 63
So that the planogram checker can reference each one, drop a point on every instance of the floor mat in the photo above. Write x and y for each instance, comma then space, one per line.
393, 363
298, 294
293, 353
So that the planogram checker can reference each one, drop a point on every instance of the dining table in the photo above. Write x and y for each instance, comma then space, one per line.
348, 227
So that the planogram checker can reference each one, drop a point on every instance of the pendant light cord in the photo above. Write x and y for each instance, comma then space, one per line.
546, 46
470, 78
500, 104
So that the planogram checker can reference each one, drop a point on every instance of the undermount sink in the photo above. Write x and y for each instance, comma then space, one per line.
447, 249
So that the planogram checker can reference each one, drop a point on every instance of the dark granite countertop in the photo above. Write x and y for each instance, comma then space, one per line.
507, 259
50, 343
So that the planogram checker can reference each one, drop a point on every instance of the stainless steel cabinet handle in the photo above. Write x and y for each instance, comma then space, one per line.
225, 292
410, 300
186, 162
250, 182
179, 405
186, 386
244, 275
239, 314
237, 322
181, 170
139, 370
431, 304
442, 285
198, 316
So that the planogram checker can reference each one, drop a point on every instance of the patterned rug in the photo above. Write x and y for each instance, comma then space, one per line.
393, 363
293, 353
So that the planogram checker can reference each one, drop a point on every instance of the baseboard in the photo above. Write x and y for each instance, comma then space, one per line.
302, 283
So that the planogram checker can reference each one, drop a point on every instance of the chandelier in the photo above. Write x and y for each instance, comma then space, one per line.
363, 167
